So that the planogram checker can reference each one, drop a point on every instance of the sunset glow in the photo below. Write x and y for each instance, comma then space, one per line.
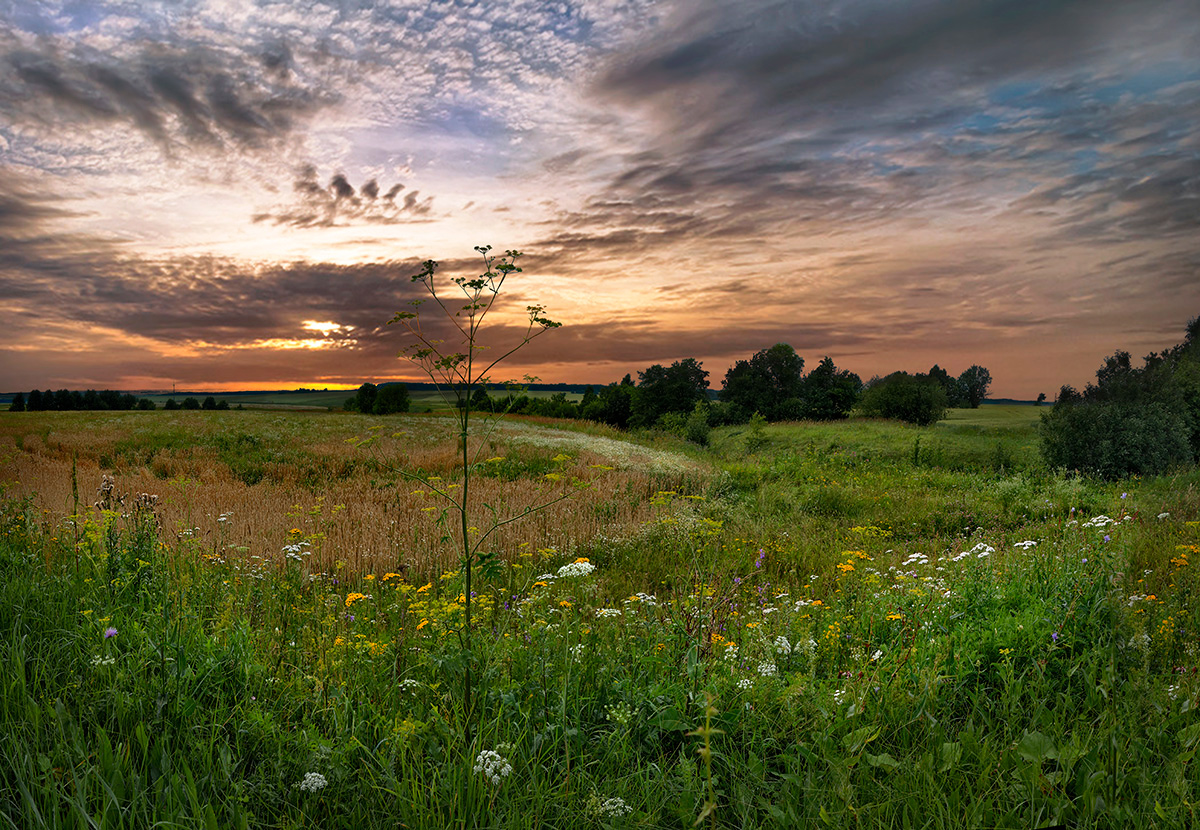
232, 195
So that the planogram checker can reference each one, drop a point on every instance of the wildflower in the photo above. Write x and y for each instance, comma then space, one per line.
353, 598
608, 612
109, 633
1162, 516
492, 766
1026, 545
608, 808
782, 646
409, 684
312, 782
576, 568
767, 669
745, 683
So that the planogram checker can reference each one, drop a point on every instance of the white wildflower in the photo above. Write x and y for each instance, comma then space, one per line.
1164, 516
608, 612
745, 683
492, 766
767, 669
312, 782
1026, 545
983, 550
782, 645
575, 569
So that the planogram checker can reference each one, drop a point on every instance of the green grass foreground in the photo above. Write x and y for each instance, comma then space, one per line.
888, 626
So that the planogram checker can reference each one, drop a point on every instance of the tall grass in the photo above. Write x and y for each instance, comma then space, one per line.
854, 642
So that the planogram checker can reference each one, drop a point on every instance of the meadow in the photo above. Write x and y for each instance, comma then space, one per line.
255, 619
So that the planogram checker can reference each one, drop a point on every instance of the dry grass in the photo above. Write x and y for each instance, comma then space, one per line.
269, 474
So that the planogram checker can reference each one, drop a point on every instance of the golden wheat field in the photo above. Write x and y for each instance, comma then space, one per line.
244, 484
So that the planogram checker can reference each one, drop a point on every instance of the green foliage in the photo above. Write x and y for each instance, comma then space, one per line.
973, 384
191, 403
915, 399
364, 399
209, 404
18, 403
674, 389
391, 398
172, 404
1133, 420
769, 382
827, 393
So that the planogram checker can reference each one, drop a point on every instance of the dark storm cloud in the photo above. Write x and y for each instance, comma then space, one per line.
864, 112
172, 92
337, 203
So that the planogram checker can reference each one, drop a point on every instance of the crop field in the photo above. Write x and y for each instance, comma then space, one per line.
259, 619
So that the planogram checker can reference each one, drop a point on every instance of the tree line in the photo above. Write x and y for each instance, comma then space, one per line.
771, 384
66, 400
1134, 420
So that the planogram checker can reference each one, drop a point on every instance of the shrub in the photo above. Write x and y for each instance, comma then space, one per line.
916, 399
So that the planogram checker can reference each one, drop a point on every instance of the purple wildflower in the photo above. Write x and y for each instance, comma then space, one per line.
110, 632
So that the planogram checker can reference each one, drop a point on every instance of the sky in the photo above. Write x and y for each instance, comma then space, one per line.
222, 194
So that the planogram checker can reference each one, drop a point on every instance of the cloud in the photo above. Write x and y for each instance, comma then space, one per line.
176, 93
338, 203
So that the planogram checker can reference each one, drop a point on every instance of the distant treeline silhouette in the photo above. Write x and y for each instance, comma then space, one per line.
67, 400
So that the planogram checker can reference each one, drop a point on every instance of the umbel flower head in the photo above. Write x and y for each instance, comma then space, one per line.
312, 782
492, 766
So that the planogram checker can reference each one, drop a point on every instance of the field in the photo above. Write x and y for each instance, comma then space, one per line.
257, 619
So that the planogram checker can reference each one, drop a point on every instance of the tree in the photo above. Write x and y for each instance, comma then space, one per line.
191, 403
391, 398
612, 405
210, 403
223, 405
827, 394
916, 399
974, 383
146, 404
35, 401
18, 403
172, 404
1041, 399
364, 399
674, 389
769, 383
955, 398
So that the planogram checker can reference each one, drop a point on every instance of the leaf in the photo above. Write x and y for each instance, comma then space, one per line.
668, 720
1036, 747
856, 740
1189, 736
882, 760
951, 755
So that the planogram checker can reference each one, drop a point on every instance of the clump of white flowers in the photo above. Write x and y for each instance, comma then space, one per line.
580, 567
782, 645
492, 766
312, 782
766, 668
1026, 545
607, 807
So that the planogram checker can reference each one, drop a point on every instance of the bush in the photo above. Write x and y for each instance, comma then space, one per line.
916, 399
1113, 440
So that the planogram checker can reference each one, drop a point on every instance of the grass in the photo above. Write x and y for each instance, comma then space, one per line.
855, 629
